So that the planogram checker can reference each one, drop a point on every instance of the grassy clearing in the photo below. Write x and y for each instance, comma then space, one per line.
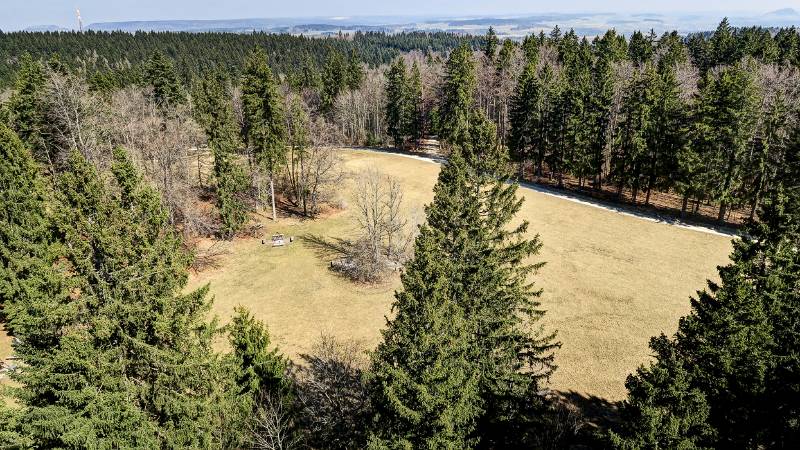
611, 280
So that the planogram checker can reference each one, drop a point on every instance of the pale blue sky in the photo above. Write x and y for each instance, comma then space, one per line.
17, 14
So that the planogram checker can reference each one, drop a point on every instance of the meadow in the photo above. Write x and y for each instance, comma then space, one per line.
610, 283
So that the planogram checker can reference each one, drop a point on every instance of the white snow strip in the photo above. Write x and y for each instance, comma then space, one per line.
572, 198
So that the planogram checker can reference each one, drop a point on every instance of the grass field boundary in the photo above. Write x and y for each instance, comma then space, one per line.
583, 200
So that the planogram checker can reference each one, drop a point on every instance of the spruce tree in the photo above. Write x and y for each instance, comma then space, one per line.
627, 163
576, 154
265, 130
457, 95
416, 113
355, 72
525, 115
26, 107
215, 113
160, 75
724, 127
728, 379
423, 382
334, 81
121, 356
490, 44
397, 110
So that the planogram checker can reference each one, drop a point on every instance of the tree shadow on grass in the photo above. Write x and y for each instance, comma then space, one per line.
327, 248
598, 412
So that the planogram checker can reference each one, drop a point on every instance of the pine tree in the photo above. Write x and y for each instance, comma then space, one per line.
397, 111
457, 95
265, 130
160, 75
215, 114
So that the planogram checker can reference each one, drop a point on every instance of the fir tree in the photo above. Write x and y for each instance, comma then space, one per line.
265, 130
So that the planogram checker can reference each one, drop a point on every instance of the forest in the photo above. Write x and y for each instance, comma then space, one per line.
120, 151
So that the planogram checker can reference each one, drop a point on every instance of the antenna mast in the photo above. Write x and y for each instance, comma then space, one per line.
80, 20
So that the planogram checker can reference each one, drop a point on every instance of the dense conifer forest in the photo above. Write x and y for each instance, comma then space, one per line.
118, 150
119, 54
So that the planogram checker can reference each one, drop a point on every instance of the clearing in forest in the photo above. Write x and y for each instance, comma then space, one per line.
611, 280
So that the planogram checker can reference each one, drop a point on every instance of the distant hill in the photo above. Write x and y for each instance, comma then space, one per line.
42, 28
785, 12
511, 26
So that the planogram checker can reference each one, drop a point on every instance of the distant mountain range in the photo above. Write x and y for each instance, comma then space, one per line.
588, 24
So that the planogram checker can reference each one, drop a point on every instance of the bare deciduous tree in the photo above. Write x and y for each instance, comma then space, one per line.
165, 146
271, 427
335, 405
384, 240
359, 113
312, 173
77, 120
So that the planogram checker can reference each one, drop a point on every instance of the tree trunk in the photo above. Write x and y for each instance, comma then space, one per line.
272, 195
684, 206
647, 197
723, 208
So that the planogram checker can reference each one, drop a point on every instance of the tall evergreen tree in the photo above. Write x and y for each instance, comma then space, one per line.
160, 75
458, 95
397, 110
26, 107
265, 130
724, 127
728, 379
424, 383
334, 81
627, 163
490, 44
525, 116
215, 113
416, 113
122, 357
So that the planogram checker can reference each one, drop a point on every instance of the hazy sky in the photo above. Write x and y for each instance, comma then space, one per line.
16, 14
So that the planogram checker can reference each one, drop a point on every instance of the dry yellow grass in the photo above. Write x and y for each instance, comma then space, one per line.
611, 280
